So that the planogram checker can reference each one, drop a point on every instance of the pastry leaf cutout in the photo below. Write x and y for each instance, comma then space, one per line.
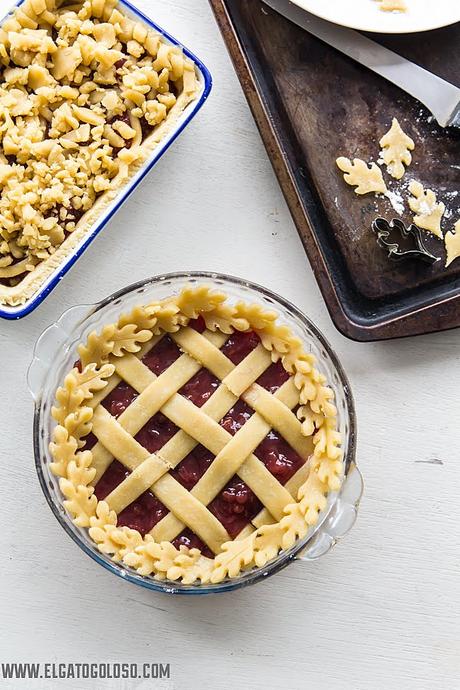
79, 386
293, 524
144, 557
312, 498
366, 178
115, 541
92, 379
428, 211
194, 301
169, 319
143, 317
330, 472
311, 421
168, 554
81, 502
322, 402
112, 341
63, 449
129, 339
98, 347
396, 150
69, 398
190, 566
253, 316
452, 242
267, 543
233, 557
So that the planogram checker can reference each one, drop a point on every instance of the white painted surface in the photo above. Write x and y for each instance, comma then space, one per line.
381, 612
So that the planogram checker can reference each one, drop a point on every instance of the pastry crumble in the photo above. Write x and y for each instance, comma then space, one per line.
85, 94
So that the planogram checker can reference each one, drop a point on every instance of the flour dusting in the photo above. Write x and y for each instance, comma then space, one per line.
396, 200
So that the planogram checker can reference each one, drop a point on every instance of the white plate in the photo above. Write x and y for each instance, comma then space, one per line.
421, 15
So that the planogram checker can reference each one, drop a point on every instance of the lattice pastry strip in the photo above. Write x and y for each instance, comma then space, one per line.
253, 365
129, 361
288, 510
292, 485
264, 517
191, 512
214, 437
229, 461
154, 391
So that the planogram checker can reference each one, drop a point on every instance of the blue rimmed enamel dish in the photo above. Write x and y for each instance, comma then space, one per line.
204, 83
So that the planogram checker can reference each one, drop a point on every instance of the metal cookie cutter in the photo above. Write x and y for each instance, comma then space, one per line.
384, 228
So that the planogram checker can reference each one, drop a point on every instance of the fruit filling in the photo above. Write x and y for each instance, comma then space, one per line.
236, 505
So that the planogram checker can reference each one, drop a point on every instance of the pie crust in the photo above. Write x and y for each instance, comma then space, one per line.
116, 354
86, 95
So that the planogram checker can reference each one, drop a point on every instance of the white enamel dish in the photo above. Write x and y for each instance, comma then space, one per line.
366, 15
204, 87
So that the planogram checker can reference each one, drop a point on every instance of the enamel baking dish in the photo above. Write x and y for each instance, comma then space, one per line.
204, 87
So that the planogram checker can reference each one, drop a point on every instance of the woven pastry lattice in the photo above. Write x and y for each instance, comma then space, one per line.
115, 355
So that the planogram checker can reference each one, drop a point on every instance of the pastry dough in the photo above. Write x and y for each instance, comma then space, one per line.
396, 147
452, 242
114, 355
366, 178
428, 211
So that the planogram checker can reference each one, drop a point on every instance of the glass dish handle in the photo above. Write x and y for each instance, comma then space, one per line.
48, 345
340, 520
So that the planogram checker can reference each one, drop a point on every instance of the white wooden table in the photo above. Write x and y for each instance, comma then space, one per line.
382, 611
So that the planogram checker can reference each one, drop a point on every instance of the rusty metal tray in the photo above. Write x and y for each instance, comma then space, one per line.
312, 104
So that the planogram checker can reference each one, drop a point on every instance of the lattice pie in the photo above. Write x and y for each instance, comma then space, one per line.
86, 93
195, 438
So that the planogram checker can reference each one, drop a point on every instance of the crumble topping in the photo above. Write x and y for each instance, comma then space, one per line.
82, 86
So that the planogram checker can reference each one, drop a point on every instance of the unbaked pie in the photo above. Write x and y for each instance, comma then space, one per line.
195, 438
86, 93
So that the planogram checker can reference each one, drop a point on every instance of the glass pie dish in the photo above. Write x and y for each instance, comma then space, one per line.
56, 352
106, 92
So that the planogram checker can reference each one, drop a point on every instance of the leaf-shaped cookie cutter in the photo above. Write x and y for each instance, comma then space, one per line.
383, 229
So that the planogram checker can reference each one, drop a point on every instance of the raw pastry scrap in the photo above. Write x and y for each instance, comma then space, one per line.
90, 432
452, 242
396, 147
428, 212
86, 93
393, 5
366, 178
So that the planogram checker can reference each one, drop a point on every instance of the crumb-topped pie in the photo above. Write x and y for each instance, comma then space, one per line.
86, 94
195, 438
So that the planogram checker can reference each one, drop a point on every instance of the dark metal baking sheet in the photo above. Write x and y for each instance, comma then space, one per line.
312, 104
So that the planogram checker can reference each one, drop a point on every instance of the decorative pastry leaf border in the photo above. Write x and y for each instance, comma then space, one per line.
73, 464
